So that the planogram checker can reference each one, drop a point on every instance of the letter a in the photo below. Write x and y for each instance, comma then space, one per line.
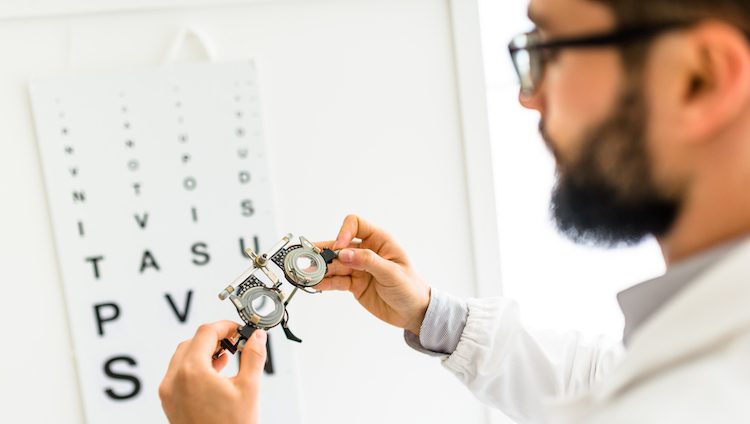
148, 261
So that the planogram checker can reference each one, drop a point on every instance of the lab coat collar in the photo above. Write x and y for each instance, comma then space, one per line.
710, 311
640, 302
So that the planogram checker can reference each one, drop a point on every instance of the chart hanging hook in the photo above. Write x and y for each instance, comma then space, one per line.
201, 39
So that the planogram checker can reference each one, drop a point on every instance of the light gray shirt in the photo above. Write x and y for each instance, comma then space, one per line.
446, 315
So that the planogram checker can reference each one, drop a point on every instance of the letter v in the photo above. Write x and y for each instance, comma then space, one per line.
141, 220
184, 315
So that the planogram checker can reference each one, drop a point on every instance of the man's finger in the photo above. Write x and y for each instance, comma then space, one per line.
338, 268
176, 360
220, 363
207, 338
328, 244
369, 261
354, 227
253, 360
335, 283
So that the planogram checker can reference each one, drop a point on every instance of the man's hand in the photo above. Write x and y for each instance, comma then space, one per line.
377, 272
193, 391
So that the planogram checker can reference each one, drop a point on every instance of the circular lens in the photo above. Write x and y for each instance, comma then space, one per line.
263, 305
306, 264
304, 267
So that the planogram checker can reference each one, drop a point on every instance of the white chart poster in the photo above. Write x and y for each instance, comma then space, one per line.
156, 181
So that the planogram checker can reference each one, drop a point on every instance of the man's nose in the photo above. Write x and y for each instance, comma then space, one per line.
532, 101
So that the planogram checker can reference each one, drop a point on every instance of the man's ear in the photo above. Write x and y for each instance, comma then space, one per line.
715, 80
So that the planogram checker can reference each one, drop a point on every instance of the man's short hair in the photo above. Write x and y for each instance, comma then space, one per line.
636, 12
630, 13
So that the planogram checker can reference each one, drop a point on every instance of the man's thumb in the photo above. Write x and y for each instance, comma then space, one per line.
253, 358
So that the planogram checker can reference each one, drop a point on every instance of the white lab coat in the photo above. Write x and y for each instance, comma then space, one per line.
689, 363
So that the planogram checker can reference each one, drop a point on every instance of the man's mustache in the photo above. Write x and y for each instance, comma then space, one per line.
548, 141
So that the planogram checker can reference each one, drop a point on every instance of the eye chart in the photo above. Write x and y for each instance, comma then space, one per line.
156, 182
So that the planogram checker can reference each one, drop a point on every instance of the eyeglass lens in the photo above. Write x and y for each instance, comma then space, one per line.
529, 65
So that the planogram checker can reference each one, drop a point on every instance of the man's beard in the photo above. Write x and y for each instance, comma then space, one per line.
607, 195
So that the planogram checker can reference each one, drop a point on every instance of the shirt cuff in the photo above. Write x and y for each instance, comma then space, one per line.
442, 327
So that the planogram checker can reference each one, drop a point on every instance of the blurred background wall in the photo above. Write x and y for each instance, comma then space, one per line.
364, 93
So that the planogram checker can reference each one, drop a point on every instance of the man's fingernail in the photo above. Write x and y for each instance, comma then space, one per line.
346, 255
260, 335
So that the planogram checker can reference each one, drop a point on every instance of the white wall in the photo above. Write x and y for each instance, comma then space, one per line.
363, 92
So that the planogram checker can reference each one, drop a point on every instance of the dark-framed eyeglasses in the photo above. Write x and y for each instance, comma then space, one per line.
530, 53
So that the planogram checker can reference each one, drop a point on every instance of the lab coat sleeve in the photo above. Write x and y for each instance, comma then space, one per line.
514, 369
